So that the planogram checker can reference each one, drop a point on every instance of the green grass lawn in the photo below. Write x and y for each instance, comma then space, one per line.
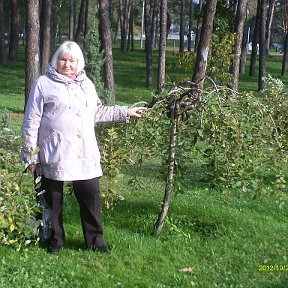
206, 241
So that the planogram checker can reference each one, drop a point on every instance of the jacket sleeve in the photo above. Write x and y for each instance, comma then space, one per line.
31, 123
110, 113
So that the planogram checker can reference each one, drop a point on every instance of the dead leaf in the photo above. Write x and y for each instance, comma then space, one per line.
186, 270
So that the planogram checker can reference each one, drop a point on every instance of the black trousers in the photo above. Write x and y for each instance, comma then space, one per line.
88, 196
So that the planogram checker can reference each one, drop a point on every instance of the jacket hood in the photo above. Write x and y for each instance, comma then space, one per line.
54, 75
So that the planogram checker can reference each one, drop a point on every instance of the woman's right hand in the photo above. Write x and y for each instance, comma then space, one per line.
32, 167
136, 111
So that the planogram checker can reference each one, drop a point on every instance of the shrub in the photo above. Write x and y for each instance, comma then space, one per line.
17, 200
234, 143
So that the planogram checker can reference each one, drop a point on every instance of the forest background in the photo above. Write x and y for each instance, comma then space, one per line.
226, 179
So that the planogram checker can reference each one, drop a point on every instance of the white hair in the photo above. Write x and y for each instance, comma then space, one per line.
71, 49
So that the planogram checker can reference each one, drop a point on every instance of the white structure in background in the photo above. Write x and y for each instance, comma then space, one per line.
176, 36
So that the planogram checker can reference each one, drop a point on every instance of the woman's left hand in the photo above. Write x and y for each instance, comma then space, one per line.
136, 111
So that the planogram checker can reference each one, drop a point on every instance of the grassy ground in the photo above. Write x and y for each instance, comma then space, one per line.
206, 242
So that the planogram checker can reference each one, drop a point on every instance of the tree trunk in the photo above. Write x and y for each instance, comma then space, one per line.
285, 56
124, 8
71, 19
155, 24
255, 41
162, 45
106, 37
45, 34
148, 42
270, 15
182, 26
191, 12
81, 19
56, 21
32, 67
2, 35
169, 21
130, 44
174, 132
244, 48
239, 29
197, 26
262, 45
86, 21
285, 52
204, 43
14, 30
132, 29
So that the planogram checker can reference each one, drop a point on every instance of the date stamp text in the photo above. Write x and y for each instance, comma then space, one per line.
274, 267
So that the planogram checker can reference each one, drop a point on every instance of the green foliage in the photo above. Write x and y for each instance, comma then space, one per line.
274, 87
17, 199
224, 18
184, 62
237, 144
228, 141
243, 151
113, 152
17, 226
122, 144
8, 138
219, 60
277, 103
148, 137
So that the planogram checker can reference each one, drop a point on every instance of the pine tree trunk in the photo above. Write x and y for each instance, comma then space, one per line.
105, 33
239, 28
86, 21
255, 41
32, 65
2, 35
189, 40
182, 26
244, 49
148, 42
155, 25
130, 44
71, 19
204, 43
285, 57
162, 45
81, 18
270, 14
45, 35
262, 45
124, 7
285, 52
200, 6
14, 30
55, 21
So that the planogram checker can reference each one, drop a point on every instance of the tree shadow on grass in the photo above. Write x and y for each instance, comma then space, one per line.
74, 244
140, 217
132, 215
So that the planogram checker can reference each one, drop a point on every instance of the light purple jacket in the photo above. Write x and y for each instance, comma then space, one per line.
60, 118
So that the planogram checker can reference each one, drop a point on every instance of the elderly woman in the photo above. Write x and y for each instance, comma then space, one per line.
60, 115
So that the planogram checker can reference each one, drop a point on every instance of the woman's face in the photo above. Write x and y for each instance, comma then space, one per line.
67, 65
